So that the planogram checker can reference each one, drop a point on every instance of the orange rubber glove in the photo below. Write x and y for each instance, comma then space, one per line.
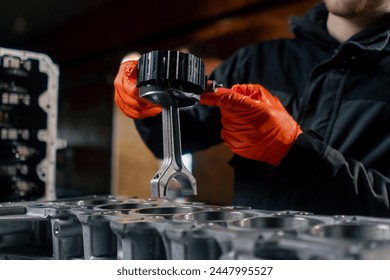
127, 94
255, 124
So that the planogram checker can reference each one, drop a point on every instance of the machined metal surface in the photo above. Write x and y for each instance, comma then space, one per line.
173, 175
128, 228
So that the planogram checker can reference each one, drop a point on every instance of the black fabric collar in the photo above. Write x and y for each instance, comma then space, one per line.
312, 26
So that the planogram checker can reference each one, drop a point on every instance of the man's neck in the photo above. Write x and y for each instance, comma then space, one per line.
342, 29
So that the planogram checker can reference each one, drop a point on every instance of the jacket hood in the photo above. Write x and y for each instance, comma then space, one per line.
312, 26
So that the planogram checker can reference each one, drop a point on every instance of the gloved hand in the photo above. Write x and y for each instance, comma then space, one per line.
255, 124
127, 94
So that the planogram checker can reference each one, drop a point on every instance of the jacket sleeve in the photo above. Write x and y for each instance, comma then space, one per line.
345, 183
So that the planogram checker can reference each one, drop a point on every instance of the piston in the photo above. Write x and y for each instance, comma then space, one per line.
174, 80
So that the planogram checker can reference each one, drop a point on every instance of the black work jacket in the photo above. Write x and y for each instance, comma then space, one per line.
339, 93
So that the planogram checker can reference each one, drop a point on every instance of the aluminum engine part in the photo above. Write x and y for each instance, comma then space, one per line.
28, 125
128, 228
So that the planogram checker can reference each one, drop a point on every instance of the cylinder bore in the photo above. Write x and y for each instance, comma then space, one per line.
86, 202
277, 223
353, 231
213, 216
91, 202
123, 207
167, 211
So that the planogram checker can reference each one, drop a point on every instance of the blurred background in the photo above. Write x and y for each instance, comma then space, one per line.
89, 38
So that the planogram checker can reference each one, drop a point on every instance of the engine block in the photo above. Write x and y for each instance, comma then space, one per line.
129, 228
